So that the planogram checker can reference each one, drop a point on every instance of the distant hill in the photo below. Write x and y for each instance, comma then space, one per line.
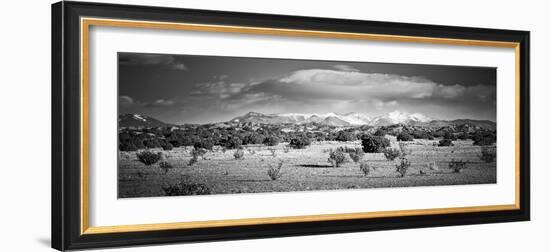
484, 124
139, 121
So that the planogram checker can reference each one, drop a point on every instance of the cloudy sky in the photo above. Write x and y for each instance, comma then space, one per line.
201, 89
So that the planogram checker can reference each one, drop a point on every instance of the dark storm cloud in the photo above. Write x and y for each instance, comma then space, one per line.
220, 88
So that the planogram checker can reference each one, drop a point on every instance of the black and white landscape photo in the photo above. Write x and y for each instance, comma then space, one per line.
197, 125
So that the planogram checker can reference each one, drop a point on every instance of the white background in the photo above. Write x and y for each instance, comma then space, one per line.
106, 210
25, 113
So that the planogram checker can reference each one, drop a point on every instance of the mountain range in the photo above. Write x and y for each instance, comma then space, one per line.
138, 121
329, 119
333, 119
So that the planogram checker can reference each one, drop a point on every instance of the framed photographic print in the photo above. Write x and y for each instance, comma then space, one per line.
179, 125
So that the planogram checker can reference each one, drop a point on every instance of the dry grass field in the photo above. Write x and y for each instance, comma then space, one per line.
302, 169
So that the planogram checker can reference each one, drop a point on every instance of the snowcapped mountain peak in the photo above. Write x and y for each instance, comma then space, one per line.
139, 117
334, 119
137, 120
396, 117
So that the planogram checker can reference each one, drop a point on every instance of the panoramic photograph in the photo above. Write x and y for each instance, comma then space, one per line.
203, 125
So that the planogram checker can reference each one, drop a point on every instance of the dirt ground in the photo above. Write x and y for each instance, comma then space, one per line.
302, 170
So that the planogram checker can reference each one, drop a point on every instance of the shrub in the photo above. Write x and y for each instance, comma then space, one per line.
275, 172
183, 188
233, 143
488, 154
167, 146
391, 153
271, 141
193, 160
148, 157
372, 144
253, 138
345, 136
356, 155
151, 143
165, 166
204, 144
364, 168
337, 158
196, 153
300, 142
449, 135
273, 152
127, 146
199, 152
421, 134
239, 154
484, 138
380, 132
445, 142
129, 142
403, 166
457, 166
404, 136
463, 136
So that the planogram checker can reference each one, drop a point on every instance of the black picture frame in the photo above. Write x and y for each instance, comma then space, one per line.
66, 134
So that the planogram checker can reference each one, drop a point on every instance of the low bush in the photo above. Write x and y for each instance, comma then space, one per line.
271, 141
380, 132
183, 188
488, 154
463, 136
148, 157
337, 158
165, 166
403, 166
199, 153
167, 146
391, 153
450, 136
345, 136
457, 165
273, 152
196, 153
131, 144
405, 137
373, 144
300, 142
356, 155
421, 134
239, 154
127, 146
275, 173
151, 143
484, 138
445, 142
233, 143
364, 168
204, 144
193, 161
253, 138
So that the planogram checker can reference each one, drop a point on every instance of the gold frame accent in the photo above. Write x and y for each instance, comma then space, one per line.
85, 24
